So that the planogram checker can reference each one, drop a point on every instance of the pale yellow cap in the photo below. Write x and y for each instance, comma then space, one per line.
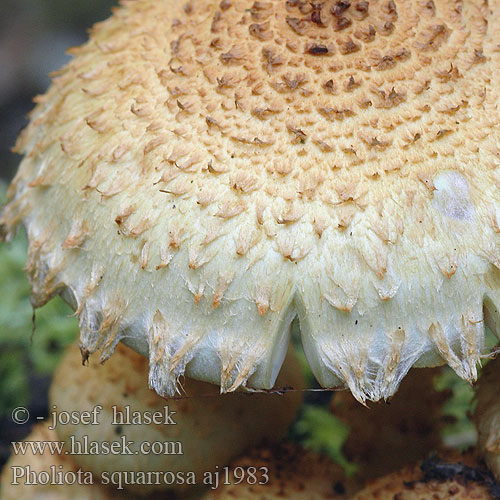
204, 171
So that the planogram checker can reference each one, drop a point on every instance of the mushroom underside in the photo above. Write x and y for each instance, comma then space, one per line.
199, 175
366, 340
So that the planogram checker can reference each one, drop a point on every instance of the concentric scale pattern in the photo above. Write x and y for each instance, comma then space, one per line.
200, 173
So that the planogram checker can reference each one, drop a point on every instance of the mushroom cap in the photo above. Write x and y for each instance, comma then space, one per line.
212, 428
42, 463
202, 172
285, 471
384, 437
487, 416
440, 478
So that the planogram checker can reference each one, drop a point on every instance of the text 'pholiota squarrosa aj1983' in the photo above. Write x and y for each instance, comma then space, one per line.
203, 172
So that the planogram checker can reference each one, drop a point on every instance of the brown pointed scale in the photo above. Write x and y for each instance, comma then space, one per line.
204, 171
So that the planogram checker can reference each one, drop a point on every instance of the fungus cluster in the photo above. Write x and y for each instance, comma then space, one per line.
140, 444
202, 432
218, 168
203, 172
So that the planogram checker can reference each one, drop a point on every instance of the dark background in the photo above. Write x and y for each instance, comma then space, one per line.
34, 35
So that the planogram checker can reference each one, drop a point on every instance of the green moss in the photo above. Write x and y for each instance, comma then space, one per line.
22, 353
460, 433
320, 431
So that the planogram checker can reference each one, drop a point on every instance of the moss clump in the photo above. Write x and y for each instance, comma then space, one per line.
21, 353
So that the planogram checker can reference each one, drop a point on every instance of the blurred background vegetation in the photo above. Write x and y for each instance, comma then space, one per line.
34, 35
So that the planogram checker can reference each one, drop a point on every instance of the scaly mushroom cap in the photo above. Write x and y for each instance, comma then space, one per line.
211, 428
285, 471
202, 172
449, 477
